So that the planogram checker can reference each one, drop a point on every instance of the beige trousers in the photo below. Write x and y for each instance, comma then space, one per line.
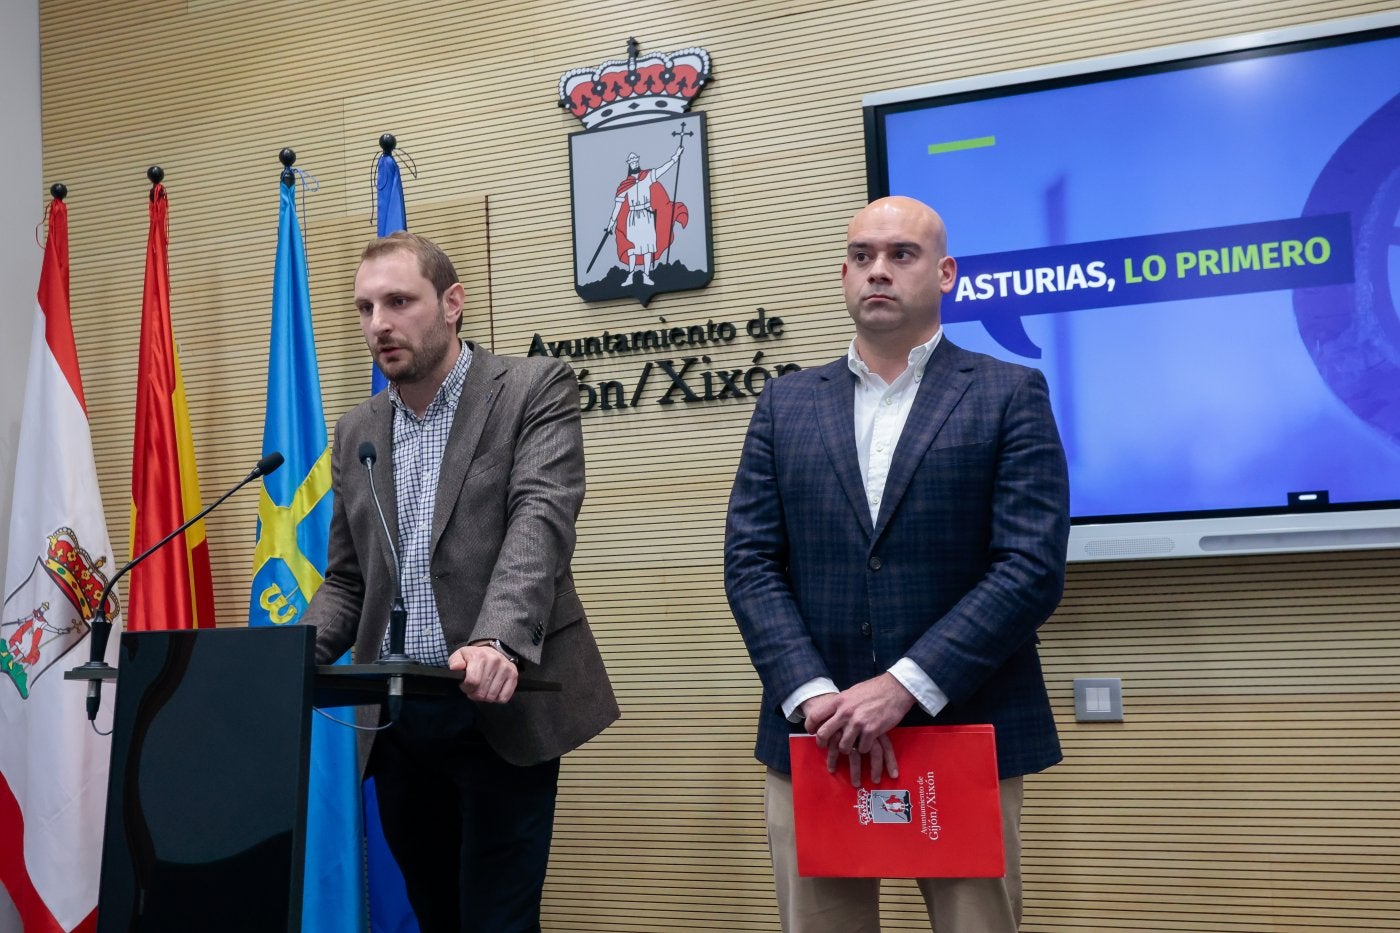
852, 905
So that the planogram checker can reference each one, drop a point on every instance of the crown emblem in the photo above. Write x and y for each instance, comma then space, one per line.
862, 807
77, 574
635, 89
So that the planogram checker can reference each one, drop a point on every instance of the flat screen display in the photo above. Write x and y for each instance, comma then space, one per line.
1200, 247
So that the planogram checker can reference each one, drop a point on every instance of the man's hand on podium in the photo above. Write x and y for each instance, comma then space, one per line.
488, 675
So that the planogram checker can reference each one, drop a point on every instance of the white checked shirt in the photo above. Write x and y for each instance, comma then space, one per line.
881, 409
419, 445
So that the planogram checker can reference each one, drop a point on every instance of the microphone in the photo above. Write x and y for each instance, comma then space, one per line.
398, 613
266, 465
102, 626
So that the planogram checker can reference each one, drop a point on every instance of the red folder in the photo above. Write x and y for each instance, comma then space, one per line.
941, 818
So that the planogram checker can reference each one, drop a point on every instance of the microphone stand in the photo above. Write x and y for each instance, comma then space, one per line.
398, 612
398, 623
97, 669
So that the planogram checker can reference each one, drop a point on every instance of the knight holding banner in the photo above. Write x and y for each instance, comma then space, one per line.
651, 215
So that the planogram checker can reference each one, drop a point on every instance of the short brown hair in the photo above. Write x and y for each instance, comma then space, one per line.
432, 261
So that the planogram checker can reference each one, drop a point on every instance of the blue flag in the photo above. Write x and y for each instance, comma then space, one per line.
388, 195
388, 899
294, 520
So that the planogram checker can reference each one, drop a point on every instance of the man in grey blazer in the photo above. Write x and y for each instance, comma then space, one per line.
896, 535
480, 478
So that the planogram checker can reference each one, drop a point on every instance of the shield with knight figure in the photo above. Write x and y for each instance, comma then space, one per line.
639, 175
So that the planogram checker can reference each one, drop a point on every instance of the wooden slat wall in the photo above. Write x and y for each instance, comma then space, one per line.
1252, 787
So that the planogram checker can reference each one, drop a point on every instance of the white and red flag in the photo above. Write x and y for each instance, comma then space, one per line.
53, 765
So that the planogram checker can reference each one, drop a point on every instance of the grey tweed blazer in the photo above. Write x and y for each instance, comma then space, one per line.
510, 489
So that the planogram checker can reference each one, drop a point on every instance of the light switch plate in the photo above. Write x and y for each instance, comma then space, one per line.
1098, 699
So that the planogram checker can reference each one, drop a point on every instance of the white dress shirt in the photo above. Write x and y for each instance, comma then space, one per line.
881, 409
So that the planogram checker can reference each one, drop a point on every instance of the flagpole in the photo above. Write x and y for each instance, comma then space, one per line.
289, 563
288, 158
389, 214
387, 144
52, 771
174, 589
100, 627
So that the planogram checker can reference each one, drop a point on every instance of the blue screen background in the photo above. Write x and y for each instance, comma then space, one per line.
1203, 404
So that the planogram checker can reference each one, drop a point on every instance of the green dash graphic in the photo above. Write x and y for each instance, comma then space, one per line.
957, 145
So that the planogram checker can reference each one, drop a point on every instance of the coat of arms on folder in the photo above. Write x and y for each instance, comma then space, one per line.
941, 818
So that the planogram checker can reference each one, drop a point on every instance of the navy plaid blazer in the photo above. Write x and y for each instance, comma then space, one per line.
965, 561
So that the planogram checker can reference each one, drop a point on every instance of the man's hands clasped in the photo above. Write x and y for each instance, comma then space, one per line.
855, 723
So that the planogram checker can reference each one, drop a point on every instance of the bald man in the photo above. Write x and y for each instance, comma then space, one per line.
896, 536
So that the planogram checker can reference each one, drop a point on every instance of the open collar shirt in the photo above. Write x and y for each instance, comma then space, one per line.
881, 410
419, 446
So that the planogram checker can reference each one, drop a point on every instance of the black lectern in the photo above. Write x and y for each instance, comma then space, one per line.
206, 797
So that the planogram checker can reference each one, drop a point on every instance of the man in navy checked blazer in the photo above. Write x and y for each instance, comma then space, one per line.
896, 536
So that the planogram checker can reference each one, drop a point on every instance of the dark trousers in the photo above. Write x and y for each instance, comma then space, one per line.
470, 831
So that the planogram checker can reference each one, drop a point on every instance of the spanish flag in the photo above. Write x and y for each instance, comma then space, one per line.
172, 588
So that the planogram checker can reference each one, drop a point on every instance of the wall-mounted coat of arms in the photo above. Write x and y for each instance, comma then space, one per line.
638, 173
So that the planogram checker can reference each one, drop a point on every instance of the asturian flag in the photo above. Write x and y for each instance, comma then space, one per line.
289, 563
173, 588
53, 766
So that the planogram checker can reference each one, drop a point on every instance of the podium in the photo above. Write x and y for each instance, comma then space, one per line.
206, 797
